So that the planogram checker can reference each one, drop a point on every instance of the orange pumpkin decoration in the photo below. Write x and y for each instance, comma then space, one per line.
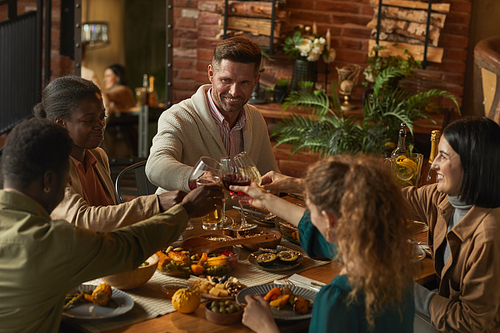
186, 300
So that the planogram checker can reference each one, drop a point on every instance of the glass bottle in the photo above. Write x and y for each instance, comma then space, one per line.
153, 96
145, 95
429, 175
401, 147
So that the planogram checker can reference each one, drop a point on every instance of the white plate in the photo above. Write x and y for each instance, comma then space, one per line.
287, 312
119, 304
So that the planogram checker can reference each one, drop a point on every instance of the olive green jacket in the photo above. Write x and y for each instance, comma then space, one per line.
41, 260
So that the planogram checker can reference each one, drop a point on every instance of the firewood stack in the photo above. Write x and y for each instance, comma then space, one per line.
404, 22
252, 19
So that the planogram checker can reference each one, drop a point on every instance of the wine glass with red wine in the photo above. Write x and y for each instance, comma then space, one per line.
232, 174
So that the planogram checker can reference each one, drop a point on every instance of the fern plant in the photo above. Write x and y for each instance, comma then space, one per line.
329, 132
391, 106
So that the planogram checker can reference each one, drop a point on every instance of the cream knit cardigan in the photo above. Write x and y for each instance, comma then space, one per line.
187, 131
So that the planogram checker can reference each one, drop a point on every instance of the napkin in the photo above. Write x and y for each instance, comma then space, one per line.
303, 282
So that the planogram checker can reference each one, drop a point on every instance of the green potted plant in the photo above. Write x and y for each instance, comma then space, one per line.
306, 86
329, 132
281, 90
378, 63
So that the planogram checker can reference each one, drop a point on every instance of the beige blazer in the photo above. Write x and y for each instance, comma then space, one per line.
187, 131
468, 299
74, 209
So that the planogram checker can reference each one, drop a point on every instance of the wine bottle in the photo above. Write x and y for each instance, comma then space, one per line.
401, 147
145, 95
153, 96
428, 174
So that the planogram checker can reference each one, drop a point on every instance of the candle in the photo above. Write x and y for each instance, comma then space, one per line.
328, 37
315, 28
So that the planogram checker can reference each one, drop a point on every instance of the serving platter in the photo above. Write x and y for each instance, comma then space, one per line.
285, 313
277, 266
119, 304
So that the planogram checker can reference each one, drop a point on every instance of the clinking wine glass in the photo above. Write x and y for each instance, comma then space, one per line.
205, 165
247, 167
206, 168
232, 174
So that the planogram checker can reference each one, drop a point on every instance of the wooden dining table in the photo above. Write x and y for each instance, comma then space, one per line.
177, 322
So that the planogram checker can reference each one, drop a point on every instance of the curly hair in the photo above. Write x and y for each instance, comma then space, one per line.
372, 228
33, 147
64, 94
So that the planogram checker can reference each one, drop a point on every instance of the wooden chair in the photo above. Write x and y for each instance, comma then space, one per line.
487, 78
144, 186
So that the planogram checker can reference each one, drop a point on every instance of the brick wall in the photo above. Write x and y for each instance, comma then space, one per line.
196, 27
347, 19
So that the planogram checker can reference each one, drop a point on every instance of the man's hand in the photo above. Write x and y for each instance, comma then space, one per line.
277, 182
169, 199
258, 316
202, 200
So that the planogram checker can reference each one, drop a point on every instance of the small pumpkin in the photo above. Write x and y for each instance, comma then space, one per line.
101, 294
186, 300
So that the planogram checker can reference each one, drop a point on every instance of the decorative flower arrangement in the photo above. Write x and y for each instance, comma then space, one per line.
309, 47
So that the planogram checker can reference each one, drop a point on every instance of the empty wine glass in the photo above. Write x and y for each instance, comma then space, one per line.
232, 174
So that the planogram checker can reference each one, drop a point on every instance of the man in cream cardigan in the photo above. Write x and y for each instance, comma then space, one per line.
216, 121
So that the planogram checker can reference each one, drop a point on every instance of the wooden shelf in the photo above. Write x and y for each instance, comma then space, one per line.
273, 111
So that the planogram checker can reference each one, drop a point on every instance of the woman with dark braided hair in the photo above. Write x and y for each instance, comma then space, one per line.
90, 200
356, 214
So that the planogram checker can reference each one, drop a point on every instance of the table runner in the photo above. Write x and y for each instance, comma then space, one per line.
150, 301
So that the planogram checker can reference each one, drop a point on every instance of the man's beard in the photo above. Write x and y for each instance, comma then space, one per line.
222, 104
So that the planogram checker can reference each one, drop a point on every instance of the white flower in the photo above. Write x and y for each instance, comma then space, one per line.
305, 47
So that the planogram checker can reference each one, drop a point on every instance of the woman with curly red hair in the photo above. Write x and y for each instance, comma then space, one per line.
356, 214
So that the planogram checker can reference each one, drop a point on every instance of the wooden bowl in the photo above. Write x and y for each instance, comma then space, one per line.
222, 318
258, 231
135, 278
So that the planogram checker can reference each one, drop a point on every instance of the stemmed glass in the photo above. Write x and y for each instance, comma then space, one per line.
234, 174
245, 163
206, 172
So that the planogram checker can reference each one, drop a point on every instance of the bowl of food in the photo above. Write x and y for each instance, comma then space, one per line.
180, 263
290, 232
170, 288
258, 232
136, 278
223, 312
222, 261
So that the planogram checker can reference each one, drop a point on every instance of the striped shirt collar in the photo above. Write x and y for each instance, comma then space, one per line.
231, 137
